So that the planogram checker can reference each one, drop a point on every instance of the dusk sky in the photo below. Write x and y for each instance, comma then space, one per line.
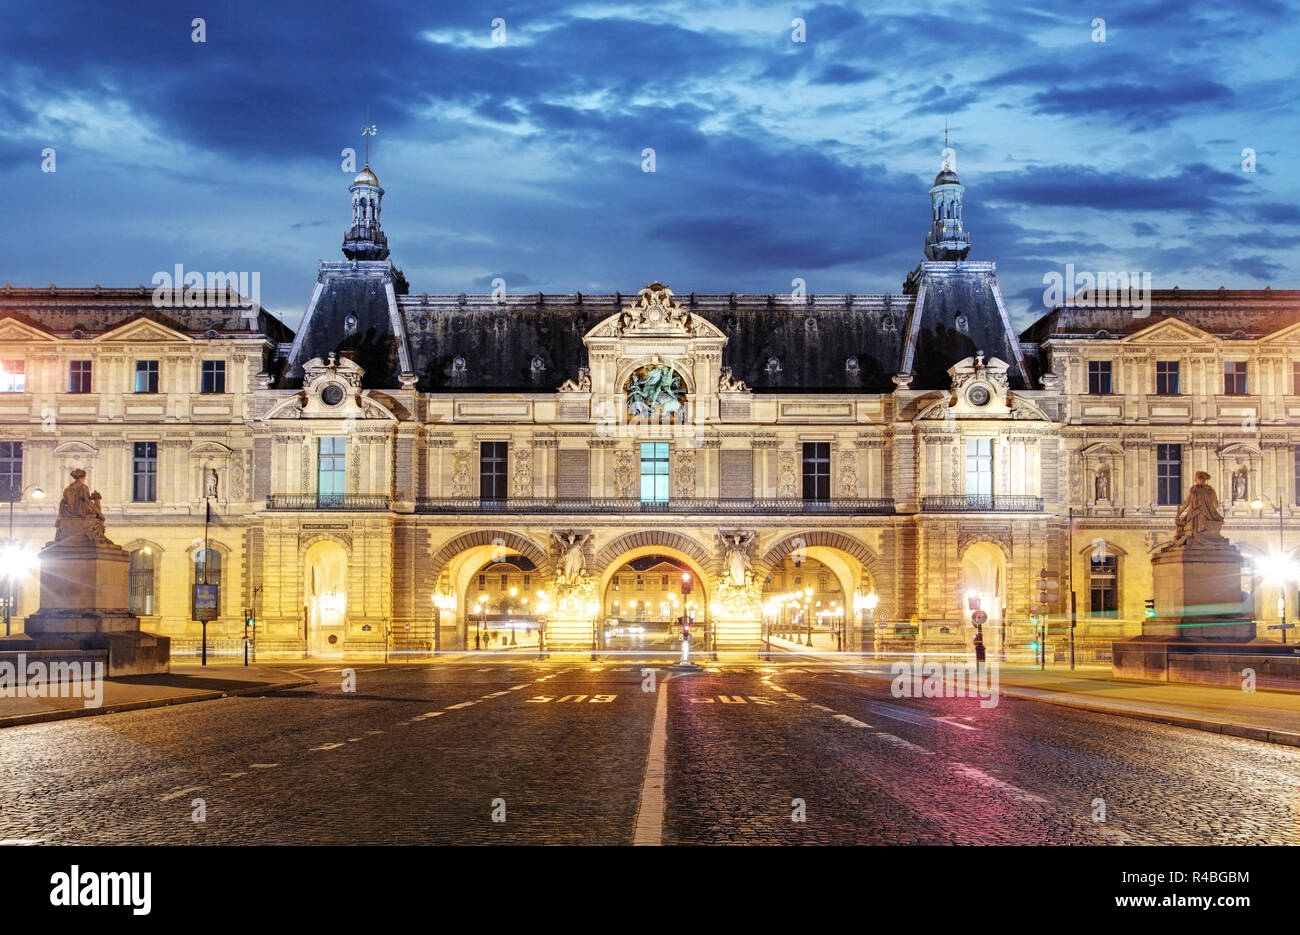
775, 159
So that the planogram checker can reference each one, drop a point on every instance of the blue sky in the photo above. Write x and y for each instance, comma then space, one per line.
775, 159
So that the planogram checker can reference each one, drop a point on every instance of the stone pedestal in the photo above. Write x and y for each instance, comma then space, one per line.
1198, 593
1198, 607
84, 606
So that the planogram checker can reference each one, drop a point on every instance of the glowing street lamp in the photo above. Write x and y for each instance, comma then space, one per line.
18, 560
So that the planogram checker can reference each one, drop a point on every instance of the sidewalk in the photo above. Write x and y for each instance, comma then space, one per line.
1269, 716
185, 683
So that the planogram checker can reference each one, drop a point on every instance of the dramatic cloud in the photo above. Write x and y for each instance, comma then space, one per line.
773, 158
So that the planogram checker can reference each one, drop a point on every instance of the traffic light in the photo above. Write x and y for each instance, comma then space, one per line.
250, 623
1049, 587
1150, 607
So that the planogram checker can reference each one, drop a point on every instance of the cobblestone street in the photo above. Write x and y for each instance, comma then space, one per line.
557, 752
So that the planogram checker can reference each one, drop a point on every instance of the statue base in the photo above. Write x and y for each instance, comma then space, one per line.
1198, 593
84, 606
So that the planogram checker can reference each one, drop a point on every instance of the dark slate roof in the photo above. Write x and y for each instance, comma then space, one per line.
1222, 312
813, 340
95, 310
360, 290
961, 312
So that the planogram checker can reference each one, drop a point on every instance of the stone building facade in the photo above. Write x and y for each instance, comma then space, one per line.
351, 481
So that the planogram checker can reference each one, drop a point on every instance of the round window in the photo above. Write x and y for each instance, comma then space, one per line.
332, 395
978, 395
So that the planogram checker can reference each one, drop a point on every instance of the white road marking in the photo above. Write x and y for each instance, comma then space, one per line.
951, 722
230, 776
650, 810
463, 704
178, 793
324, 746
993, 782
494, 695
517, 687
263, 765
851, 721
374, 732
900, 742
819, 707
21, 842
1113, 834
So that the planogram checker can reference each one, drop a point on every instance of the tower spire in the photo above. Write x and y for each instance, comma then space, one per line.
365, 239
947, 239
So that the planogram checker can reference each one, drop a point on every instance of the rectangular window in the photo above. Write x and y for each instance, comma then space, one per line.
505, 582
146, 376
482, 582
11, 471
1295, 378
79, 376
493, 460
640, 583
13, 376
1104, 593
1167, 377
654, 472
213, 377
1099, 377
817, 471
1234, 378
979, 467
1169, 475
331, 466
144, 472
528, 582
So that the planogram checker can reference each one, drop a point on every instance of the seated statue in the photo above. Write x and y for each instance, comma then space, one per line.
80, 513
1199, 514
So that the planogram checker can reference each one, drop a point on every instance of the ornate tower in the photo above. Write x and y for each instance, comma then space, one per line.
947, 239
365, 240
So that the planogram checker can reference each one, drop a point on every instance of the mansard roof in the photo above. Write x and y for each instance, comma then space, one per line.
812, 339
97, 310
1226, 313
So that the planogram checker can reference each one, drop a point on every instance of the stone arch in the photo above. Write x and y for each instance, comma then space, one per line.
307, 540
827, 539
682, 366
482, 537
613, 550
1001, 540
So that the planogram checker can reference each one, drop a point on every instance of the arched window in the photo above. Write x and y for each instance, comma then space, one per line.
140, 583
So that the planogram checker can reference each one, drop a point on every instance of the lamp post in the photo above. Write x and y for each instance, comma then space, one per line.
11, 550
1283, 572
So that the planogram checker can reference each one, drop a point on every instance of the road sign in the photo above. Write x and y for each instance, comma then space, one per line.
206, 600
979, 618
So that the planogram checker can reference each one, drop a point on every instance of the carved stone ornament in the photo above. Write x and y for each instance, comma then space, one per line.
581, 385
729, 384
655, 311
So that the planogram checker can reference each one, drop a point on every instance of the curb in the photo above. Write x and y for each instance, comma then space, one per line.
1264, 734
39, 717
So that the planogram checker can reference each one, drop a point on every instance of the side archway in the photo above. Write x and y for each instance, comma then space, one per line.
649, 540
510, 541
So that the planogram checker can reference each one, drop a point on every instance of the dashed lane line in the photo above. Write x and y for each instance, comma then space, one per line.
650, 810
327, 746
852, 721
993, 782
905, 744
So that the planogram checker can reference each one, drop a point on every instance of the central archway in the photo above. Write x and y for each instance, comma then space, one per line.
659, 558
325, 596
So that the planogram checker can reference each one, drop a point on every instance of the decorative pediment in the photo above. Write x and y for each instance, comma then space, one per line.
1285, 334
655, 314
1170, 331
13, 330
980, 390
142, 331
331, 390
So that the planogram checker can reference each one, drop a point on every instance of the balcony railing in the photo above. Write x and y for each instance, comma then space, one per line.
784, 505
342, 501
982, 504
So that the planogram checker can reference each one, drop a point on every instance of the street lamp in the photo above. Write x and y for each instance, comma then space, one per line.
1279, 567
17, 560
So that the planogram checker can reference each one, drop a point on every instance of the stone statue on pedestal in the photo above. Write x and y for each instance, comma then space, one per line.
1199, 515
80, 516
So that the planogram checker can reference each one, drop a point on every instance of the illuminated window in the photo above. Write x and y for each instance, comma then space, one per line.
654, 472
140, 582
1103, 577
979, 467
331, 467
13, 376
